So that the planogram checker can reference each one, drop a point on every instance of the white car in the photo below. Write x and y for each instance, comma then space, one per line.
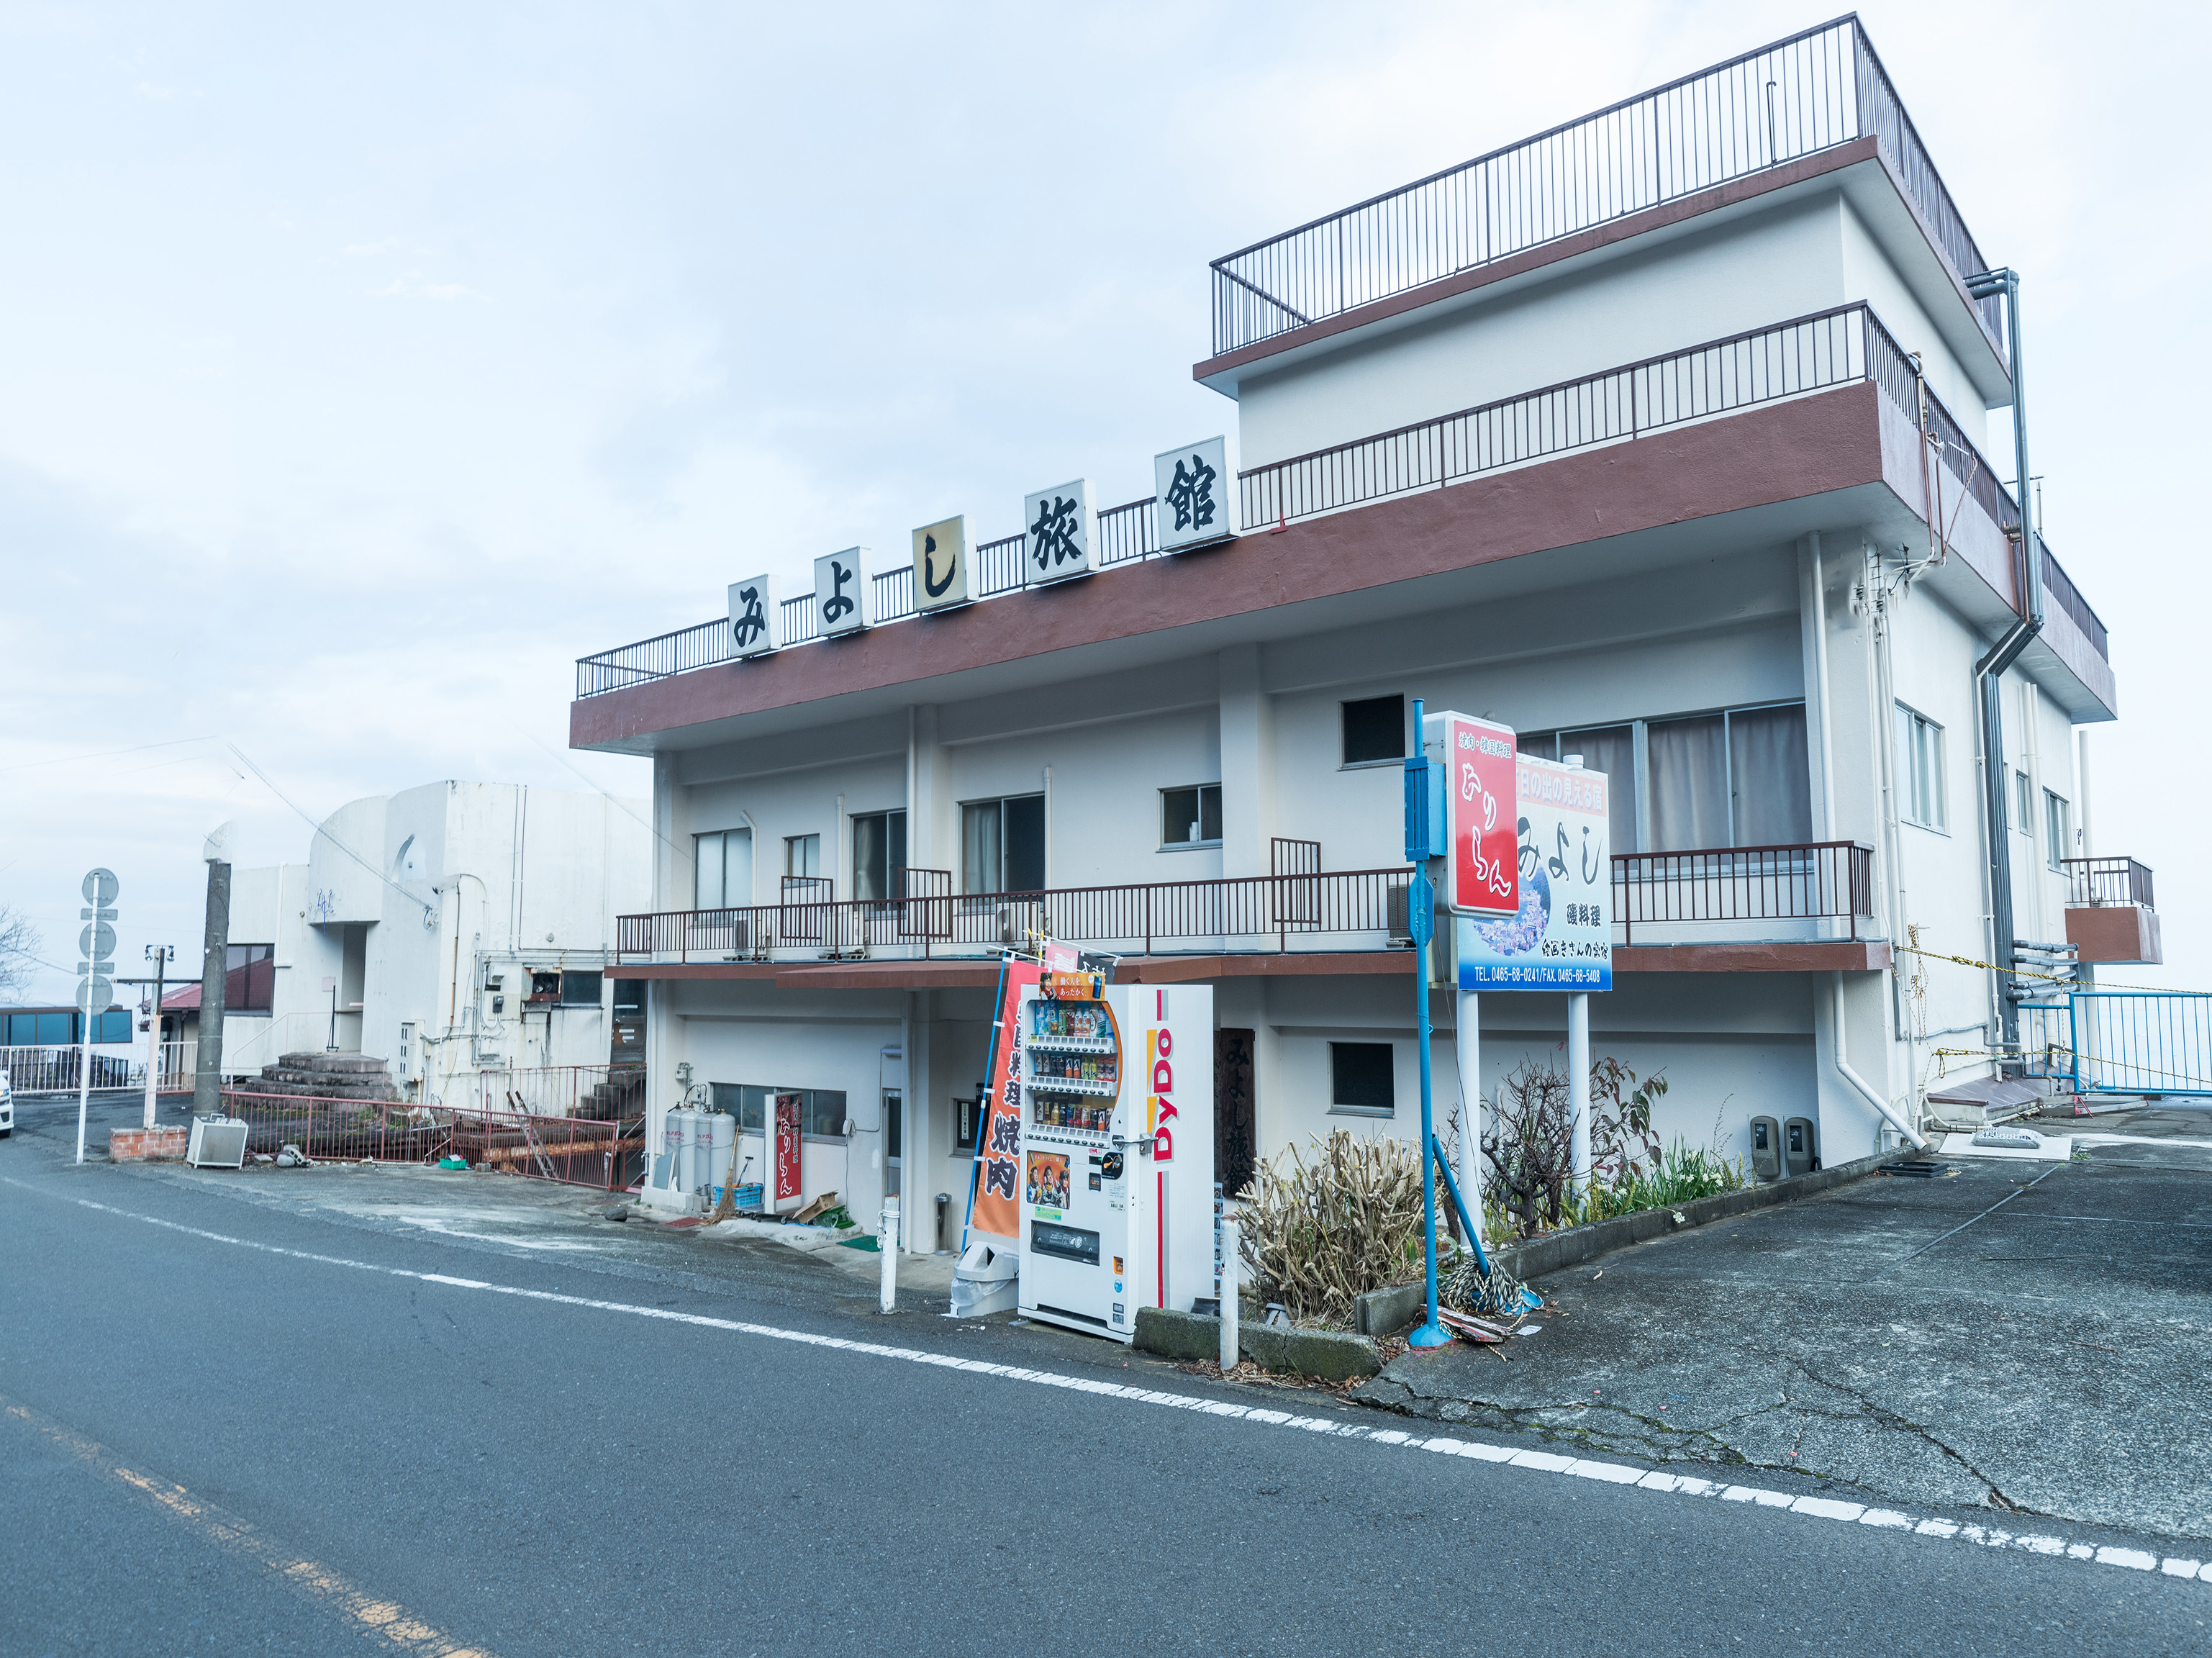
7, 1107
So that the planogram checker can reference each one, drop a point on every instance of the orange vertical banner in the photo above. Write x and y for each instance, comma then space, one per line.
993, 1204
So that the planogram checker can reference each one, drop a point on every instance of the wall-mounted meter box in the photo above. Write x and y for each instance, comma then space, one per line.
1800, 1151
1766, 1148
1117, 1151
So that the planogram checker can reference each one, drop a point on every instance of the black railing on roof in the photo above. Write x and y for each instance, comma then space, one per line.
1766, 108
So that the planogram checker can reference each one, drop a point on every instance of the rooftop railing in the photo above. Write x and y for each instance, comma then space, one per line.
1764, 109
1799, 358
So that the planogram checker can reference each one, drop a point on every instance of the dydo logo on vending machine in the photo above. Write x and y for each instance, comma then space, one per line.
1482, 872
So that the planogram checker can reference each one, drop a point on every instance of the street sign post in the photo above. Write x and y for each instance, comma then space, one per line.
95, 986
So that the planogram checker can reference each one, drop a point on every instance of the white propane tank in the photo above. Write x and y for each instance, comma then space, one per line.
719, 1135
687, 1149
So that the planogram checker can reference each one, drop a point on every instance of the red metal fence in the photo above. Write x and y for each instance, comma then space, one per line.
607, 1154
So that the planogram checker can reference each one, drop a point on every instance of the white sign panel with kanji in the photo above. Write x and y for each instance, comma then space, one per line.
1192, 487
1062, 526
1561, 938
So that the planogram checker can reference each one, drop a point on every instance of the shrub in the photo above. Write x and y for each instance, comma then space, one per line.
1316, 1234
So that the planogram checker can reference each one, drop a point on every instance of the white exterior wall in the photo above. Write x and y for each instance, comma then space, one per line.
510, 879
1789, 261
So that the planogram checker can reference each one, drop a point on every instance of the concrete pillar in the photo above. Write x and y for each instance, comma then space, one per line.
1248, 764
207, 1075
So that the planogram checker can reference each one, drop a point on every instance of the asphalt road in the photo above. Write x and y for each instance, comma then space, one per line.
230, 1425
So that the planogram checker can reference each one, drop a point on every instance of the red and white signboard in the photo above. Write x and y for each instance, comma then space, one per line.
1482, 875
786, 1146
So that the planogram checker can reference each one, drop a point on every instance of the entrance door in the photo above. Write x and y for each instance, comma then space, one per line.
1234, 1131
894, 1140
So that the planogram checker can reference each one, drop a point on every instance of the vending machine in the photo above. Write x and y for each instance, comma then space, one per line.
1117, 1151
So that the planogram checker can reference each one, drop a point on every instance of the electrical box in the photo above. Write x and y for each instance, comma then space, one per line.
1426, 835
1766, 1148
1117, 1151
1800, 1151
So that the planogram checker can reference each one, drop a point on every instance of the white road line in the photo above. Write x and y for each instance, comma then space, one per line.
1620, 1473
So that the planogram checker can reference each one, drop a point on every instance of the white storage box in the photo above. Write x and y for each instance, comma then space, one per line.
217, 1143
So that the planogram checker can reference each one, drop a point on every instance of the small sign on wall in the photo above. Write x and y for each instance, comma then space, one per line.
940, 565
1063, 532
756, 623
841, 592
786, 1147
1192, 485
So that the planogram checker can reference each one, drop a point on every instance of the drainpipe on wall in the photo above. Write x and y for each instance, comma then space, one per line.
1844, 1070
1988, 673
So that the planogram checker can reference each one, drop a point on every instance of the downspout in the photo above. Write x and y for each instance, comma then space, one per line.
1988, 673
1844, 1070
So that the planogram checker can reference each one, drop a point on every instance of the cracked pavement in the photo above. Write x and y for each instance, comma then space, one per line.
2047, 1359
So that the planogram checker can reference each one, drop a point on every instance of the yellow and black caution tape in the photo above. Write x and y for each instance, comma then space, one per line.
2022, 972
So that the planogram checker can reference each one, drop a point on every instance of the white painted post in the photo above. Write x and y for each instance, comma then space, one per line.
1578, 1073
887, 1243
1229, 1302
1466, 1043
153, 1058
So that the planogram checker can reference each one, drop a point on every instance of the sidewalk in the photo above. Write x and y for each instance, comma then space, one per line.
2048, 1357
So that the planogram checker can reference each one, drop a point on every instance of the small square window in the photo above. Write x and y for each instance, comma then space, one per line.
1191, 816
1374, 729
1363, 1078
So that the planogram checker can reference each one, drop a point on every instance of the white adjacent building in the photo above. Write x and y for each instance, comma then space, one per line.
462, 931
1662, 438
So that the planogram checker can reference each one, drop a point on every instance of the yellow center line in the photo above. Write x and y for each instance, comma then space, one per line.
389, 1621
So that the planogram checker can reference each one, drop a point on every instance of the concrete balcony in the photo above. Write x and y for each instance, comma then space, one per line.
2111, 916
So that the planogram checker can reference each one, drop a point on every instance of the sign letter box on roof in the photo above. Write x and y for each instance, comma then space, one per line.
840, 592
756, 623
940, 565
1192, 489
1062, 527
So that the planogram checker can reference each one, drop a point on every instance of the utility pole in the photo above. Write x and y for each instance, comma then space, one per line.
96, 988
215, 965
160, 955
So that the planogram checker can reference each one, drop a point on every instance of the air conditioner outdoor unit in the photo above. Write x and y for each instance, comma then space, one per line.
1401, 928
217, 1143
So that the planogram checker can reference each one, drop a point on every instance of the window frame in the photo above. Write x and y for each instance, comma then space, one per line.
234, 963
1200, 791
1344, 708
1911, 726
895, 853
1342, 1107
2058, 829
1006, 848
814, 843
720, 837
810, 1100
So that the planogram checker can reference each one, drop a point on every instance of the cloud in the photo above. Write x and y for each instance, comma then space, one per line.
414, 286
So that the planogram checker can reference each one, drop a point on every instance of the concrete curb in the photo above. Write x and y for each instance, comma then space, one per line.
1380, 1311
1322, 1355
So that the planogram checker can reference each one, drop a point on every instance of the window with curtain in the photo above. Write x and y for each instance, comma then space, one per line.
1002, 844
1689, 783
1610, 749
1769, 783
722, 869
879, 853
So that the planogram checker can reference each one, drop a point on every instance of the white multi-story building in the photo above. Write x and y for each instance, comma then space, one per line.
1660, 438
463, 931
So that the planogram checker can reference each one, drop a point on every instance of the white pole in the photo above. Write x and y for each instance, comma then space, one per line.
1467, 1042
1229, 1308
887, 1245
84, 1070
153, 1058
1578, 1079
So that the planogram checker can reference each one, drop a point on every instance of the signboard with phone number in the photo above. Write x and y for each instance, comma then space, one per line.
1561, 938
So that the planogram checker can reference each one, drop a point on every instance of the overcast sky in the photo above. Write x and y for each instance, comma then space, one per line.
360, 368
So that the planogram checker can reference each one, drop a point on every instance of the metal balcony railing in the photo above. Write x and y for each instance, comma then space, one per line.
1362, 909
2097, 881
1820, 880
1766, 108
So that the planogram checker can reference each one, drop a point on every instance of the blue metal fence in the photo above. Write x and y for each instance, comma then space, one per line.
2122, 1041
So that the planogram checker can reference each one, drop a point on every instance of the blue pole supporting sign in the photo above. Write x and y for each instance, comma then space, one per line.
1423, 806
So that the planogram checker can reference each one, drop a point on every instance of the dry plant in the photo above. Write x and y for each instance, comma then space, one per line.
1317, 1233
1529, 1150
